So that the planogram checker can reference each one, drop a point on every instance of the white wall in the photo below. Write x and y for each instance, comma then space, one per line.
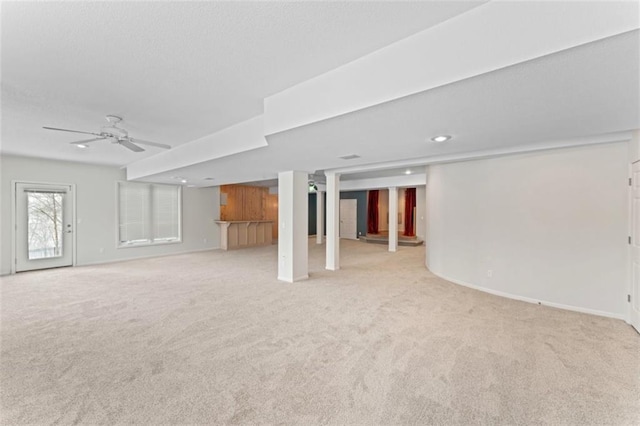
96, 210
551, 226
634, 146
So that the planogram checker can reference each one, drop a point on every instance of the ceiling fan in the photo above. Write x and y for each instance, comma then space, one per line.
316, 178
114, 134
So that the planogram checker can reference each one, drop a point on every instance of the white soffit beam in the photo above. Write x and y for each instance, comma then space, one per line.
408, 181
487, 38
242, 137
488, 153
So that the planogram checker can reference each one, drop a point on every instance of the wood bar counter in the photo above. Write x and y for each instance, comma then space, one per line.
245, 233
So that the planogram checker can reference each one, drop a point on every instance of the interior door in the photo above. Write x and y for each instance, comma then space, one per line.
349, 219
44, 226
635, 246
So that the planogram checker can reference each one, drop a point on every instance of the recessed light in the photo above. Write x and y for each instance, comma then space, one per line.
183, 180
441, 138
80, 145
408, 172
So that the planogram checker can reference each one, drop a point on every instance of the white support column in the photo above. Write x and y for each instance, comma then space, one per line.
319, 216
393, 219
333, 221
293, 211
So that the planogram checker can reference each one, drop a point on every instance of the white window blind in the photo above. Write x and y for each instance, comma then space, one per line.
148, 213
166, 220
134, 213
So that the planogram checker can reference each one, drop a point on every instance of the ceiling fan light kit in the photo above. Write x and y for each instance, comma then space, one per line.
441, 138
113, 133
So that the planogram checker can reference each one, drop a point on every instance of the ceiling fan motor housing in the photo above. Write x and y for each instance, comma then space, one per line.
114, 132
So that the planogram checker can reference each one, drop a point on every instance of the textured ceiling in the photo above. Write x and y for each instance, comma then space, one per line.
176, 71
588, 90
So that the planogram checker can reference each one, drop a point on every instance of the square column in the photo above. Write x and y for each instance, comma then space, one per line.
293, 226
393, 219
319, 216
333, 221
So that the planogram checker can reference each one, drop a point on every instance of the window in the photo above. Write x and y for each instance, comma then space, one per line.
148, 213
166, 216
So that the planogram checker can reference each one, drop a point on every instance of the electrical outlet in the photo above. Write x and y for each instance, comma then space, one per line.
489, 273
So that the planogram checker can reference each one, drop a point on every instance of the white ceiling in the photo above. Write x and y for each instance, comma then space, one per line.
178, 71
589, 90
175, 71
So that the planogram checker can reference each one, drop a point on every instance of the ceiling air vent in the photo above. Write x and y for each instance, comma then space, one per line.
349, 157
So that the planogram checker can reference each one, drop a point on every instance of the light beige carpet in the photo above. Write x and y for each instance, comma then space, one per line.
214, 338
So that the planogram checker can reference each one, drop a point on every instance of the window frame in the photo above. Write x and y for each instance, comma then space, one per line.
150, 219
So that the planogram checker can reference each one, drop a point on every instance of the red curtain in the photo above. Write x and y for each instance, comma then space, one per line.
409, 205
372, 212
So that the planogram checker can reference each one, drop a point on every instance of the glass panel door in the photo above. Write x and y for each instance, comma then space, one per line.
44, 226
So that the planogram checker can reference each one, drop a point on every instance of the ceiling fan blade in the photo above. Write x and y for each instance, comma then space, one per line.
72, 131
86, 141
143, 142
128, 144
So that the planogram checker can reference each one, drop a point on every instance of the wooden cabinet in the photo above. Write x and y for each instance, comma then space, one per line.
272, 212
249, 203
245, 233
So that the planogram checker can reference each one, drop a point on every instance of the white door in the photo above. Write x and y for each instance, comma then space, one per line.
44, 226
635, 246
349, 219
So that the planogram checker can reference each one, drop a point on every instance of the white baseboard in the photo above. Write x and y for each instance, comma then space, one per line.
634, 318
103, 262
531, 300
